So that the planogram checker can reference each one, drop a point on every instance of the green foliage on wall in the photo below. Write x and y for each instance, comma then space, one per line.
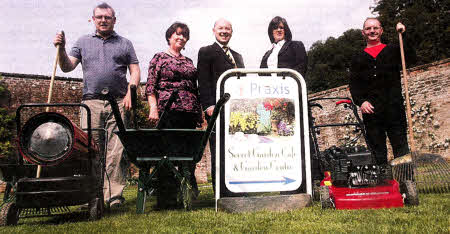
142, 112
6, 124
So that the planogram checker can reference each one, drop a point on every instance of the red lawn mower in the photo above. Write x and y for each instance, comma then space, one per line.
346, 176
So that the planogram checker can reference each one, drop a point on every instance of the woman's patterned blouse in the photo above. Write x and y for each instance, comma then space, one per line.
167, 73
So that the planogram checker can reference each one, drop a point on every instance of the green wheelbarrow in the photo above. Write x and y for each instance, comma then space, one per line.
152, 149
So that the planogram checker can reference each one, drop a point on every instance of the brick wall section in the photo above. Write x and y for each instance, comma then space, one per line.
26, 88
429, 90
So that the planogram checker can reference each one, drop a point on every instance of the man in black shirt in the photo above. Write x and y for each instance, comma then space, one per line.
375, 85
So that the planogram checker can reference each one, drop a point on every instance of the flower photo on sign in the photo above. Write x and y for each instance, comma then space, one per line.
263, 116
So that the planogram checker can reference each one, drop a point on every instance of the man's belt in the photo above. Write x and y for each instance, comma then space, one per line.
96, 96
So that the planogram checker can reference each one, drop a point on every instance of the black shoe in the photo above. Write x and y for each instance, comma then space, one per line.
115, 202
84, 207
195, 192
116, 205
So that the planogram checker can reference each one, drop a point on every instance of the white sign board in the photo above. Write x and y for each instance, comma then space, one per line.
262, 134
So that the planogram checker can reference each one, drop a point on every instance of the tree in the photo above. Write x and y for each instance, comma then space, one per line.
427, 26
329, 61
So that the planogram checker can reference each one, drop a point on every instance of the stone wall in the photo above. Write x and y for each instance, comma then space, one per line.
429, 90
430, 100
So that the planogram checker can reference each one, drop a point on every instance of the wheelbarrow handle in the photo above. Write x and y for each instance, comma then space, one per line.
133, 89
224, 99
218, 107
172, 98
115, 109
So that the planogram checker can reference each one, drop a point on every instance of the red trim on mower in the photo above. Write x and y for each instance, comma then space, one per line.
380, 196
386, 195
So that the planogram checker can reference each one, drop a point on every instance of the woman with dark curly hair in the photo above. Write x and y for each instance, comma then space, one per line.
171, 70
285, 52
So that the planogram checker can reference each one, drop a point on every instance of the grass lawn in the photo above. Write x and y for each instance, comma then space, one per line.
431, 216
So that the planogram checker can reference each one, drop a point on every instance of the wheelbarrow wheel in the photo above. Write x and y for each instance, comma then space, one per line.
9, 214
408, 187
325, 199
186, 194
95, 209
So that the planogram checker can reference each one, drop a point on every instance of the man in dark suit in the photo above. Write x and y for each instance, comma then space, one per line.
285, 53
213, 60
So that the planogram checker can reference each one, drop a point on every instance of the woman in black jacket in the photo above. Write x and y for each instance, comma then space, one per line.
285, 53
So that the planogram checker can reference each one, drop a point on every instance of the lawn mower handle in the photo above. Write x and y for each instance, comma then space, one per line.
344, 101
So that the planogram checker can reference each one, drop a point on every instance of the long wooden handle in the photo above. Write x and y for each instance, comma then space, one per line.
408, 104
50, 93
52, 80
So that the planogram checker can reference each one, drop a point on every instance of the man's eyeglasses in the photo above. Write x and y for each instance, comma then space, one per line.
374, 28
100, 17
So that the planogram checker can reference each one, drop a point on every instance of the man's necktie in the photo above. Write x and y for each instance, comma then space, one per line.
227, 51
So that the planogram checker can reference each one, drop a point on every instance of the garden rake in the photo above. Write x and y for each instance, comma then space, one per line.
430, 172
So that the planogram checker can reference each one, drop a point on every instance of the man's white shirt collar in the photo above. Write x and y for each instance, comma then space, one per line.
221, 46
229, 49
